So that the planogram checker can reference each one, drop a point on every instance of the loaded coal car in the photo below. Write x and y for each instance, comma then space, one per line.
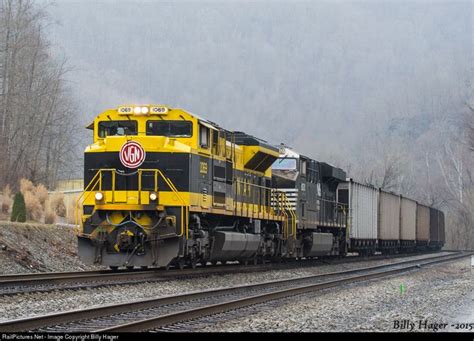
422, 226
430, 228
388, 222
311, 187
381, 221
362, 218
437, 237
407, 224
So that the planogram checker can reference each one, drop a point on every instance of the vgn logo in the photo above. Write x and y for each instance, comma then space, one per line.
132, 154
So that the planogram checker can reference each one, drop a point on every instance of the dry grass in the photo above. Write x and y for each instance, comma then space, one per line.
41, 193
34, 209
57, 205
26, 186
6, 201
7, 191
50, 216
71, 218
39, 207
48, 208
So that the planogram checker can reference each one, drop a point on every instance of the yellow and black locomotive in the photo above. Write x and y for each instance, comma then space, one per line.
166, 187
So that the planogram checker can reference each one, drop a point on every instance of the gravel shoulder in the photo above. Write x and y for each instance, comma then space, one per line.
434, 296
33, 247
438, 294
23, 305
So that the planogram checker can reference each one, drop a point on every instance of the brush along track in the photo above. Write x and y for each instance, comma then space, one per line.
52, 281
167, 311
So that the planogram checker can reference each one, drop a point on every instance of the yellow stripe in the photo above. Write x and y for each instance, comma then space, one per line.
194, 200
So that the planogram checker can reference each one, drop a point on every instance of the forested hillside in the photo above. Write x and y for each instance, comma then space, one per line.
38, 130
384, 91
380, 89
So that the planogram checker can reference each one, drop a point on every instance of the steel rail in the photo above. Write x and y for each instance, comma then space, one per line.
46, 281
35, 322
170, 319
105, 275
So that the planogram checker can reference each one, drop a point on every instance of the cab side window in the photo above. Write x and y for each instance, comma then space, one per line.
303, 167
203, 136
215, 142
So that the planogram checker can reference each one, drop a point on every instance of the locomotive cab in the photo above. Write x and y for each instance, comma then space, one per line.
311, 189
135, 174
164, 186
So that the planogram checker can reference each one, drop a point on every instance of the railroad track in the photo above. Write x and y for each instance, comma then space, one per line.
51, 281
44, 282
161, 313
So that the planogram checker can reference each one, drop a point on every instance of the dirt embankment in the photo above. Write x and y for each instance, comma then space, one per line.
33, 247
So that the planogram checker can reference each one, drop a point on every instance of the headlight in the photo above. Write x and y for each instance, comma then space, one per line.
153, 196
99, 196
144, 110
137, 110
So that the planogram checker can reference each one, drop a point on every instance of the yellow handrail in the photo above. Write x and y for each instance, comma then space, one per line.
184, 207
293, 215
284, 206
86, 189
265, 189
97, 179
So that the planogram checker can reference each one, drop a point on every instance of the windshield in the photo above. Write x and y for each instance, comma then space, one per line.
117, 128
169, 128
284, 164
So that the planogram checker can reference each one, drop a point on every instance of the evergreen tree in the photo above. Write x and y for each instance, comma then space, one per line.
19, 209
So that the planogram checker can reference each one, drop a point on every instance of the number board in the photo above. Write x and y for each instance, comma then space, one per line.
125, 110
160, 110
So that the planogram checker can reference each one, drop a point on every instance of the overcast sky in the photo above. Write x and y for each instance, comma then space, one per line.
320, 76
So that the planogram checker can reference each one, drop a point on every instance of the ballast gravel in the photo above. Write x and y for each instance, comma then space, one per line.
433, 299
30, 304
34, 247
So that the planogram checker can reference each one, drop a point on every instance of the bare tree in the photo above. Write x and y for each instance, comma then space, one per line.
36, 110
470, 126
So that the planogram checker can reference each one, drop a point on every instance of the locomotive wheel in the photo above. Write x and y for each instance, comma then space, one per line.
181, 263
194, 263
113, 268
214, 263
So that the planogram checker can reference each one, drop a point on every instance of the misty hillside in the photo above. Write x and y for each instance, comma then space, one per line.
319, 76
382, 89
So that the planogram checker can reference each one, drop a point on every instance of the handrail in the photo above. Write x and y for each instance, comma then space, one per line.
278, 199
184, 207
264, 188
284, 206
86, 189
293, 216
97, 180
